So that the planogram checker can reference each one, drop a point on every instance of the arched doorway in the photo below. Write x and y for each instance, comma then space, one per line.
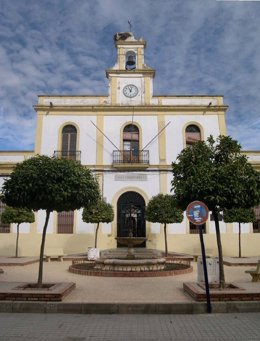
130, 215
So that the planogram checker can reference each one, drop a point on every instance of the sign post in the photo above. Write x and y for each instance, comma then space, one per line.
197, 213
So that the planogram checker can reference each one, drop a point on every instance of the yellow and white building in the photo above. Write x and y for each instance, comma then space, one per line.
128, 138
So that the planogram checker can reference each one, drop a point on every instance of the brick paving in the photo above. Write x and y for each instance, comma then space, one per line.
72, 327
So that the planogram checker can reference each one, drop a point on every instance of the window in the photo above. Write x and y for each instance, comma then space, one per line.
130, 60
131, 143
4, 228
192, 134
194, 229
65, 222
256, 224
69, 142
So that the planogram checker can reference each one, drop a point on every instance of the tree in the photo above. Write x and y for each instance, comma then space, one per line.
163, 209
17, 216
216, 173
101, 212
50, 184
239, 215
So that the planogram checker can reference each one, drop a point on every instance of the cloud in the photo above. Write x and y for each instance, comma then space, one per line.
64, 47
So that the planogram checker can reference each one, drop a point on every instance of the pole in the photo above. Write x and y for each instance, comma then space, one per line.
205, 270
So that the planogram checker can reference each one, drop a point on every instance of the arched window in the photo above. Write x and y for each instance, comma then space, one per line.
131, 143
130, 60
69, 142
192, 134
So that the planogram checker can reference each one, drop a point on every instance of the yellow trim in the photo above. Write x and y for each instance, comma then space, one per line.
121, 57
184, 131
162, 153
100, 140
140, 57
147, 90
113, 90
59, 146
222, 123
38, 132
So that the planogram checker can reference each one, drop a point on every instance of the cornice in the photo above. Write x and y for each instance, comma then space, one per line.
153, 109
145, 72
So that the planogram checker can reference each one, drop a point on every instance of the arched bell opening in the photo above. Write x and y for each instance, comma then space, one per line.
130, 63
130, 216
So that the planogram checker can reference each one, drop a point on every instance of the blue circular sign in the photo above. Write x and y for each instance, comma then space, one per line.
197, 212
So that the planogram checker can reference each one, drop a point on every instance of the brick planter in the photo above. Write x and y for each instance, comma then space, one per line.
237, 292
21, 292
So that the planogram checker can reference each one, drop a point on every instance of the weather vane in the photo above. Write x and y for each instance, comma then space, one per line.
130, 26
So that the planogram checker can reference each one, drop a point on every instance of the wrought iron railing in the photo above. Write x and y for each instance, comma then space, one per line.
130, 156
68, 154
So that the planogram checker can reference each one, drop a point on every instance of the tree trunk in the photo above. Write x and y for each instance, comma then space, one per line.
96, 234
165, 240
39, 283
220, 255
17, 239
239, 240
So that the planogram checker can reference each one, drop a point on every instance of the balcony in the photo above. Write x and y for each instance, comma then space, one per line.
131, 158
68, 154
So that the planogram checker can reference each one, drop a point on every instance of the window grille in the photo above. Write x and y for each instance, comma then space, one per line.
4, 228
65, 222
194, 229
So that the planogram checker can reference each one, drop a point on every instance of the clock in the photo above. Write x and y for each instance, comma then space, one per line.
130, 90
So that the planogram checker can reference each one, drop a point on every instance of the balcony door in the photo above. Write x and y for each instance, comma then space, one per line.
131, 144
130, 216
69, 142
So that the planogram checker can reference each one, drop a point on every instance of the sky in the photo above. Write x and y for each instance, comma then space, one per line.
63, 47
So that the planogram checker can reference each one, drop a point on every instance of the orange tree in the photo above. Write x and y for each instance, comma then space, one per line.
163, 209
239, 215
50, 184
216, 173
100, 212
17, 216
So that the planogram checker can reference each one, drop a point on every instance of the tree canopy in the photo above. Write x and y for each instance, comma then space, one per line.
163, 209
102, 212
50, 184
216, 173
17, 215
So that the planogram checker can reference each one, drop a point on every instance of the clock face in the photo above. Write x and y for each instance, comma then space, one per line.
130, 90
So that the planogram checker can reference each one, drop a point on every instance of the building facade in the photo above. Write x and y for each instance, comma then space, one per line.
129, 139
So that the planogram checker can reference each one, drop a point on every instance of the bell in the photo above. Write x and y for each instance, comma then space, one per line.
130, 64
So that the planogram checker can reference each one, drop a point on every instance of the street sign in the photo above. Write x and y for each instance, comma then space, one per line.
197, 212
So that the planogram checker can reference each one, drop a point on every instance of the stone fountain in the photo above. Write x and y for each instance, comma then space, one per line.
131, 261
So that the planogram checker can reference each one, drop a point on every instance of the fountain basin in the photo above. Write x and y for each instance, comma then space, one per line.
130, 242
129, 265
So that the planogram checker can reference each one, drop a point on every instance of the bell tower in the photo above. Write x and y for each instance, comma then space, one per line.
130, 79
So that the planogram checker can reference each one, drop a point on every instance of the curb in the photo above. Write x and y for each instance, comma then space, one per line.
127, 308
